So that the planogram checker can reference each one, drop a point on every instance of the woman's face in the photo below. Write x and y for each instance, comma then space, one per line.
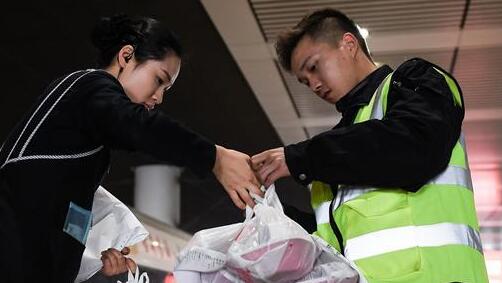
147, 83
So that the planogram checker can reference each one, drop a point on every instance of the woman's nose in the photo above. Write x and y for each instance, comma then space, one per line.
157, 97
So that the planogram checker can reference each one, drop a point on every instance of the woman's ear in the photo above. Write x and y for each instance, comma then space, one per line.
125, 54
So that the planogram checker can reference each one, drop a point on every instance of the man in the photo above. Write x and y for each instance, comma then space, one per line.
390, 184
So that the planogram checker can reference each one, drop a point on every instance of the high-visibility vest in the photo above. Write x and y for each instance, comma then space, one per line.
392, 235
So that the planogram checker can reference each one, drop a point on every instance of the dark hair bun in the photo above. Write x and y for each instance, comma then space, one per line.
149, 38
114, 31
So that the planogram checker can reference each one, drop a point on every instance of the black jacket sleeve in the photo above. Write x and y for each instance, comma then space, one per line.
408, 147
121, 124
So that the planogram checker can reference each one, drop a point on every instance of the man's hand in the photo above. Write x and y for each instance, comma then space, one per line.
233, 171
115, 262
270, 165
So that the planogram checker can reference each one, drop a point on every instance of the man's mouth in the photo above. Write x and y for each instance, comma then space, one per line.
325, 94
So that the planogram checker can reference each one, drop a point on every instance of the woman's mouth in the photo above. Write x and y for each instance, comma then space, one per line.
149, 107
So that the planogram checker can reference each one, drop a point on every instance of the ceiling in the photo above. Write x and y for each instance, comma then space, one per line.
461, 36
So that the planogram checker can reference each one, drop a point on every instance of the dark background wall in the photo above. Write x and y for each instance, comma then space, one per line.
44, 39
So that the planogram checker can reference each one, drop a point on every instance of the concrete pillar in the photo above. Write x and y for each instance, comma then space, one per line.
157, 192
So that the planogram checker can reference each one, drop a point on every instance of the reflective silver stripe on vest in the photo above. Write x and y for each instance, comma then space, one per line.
377, 110
321, 213
454, 175
396, 239
461, 140
346, 193
66, 156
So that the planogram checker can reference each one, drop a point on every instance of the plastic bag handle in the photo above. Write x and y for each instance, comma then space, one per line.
136, 277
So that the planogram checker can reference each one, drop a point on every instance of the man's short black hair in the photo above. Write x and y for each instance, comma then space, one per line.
327, 24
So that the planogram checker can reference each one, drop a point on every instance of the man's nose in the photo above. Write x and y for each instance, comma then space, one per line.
316, 86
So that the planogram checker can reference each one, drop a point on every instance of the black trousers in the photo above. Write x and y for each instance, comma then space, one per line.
33, 247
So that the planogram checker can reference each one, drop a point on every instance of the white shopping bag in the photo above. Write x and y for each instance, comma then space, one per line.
113, 226
206, 251
332, 267
136, 277
267, 247
271, 247
204, 257
220, 276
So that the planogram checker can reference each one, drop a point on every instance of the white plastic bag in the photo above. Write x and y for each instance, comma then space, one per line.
332, 267
220, 276
113, 226
271, 247
205, 255
136, 277
267, 247
206, 251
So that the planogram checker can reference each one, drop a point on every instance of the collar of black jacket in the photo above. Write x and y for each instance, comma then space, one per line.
361, 94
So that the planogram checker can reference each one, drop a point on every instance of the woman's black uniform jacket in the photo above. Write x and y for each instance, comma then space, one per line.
60, 152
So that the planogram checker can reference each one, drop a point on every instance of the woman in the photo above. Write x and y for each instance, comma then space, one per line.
55, 158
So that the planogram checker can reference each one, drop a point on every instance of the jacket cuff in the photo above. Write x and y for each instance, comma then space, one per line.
297, 161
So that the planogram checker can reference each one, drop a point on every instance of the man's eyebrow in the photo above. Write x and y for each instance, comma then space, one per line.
304, 62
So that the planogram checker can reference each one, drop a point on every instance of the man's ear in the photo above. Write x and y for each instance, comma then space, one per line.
350, 43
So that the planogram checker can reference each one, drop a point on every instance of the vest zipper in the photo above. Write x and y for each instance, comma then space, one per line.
332, 222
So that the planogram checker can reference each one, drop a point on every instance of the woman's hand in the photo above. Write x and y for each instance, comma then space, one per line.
115, 262
233, 171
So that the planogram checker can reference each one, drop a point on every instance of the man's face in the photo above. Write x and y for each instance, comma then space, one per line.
327, 70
